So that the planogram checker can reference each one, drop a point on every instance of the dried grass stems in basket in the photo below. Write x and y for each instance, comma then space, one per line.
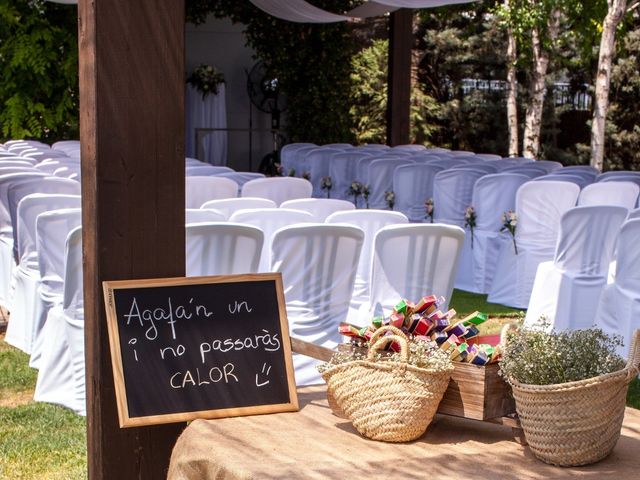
389, 397
570, 390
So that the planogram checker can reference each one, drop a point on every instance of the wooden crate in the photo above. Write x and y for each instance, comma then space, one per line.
477, 392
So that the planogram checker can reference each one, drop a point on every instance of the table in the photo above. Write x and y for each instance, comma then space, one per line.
315, 444
210, 112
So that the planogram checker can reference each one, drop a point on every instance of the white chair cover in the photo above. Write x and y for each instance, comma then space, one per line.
52, 229
49, 167
343, 170
296, 163
370, 222
486, 168
617, 173
318, 163
413, 186
288, 155
550, 165
530, 171
69, 171
622, 194
567, 177
206, 170
200, 215
67, 145
193, 162
585, 172
539, 208
278, 189
319, 208
241, 177
16, 162
461, 153
488, 156
634, 214
228, 206
269, 220
7, 258
28, 315
411, 261
448, 163
633, 177
362, 168
318, 263
426, 157
61, 374
202, 189
380, 179
619, 308
411, 148
437, 150
452, 194
567, 289
15, 169
73, 307
376, 147
222, 249
18, 190
492, 196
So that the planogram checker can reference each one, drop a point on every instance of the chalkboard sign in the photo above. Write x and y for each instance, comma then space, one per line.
201, 347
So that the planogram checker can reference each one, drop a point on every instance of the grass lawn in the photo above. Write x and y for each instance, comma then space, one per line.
465, 303
47, 442
37, 440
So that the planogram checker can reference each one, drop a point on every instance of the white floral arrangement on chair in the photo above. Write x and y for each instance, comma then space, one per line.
428, 206
206, 79
470, 219
326, 184
509, 223
390, 198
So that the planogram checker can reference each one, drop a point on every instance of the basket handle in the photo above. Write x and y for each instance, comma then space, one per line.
505, 331
384, 329
633, 363
380, 343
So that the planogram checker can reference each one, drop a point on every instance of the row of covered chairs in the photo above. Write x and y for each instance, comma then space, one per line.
320, 263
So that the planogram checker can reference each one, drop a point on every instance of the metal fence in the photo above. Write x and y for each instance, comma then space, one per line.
562, 93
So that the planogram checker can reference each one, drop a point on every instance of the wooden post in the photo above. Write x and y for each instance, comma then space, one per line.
132, 135
399, 84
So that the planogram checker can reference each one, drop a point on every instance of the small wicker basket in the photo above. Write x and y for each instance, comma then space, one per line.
388, 401
576, 423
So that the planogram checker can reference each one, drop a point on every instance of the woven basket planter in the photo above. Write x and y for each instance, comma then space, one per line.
576, 423
388, 401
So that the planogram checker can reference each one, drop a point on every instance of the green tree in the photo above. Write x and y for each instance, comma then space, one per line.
457, 44
369, 98
623, 126
39, 65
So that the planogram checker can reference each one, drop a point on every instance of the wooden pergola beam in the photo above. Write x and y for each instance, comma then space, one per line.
132, 136
399, 83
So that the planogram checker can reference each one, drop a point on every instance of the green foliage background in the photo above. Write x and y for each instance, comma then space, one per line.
39, 65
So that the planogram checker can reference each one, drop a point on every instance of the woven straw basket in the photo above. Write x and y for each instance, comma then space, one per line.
576, 423
388, 401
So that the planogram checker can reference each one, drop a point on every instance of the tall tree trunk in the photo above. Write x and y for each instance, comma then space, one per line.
512, 91
537, 86
617, 9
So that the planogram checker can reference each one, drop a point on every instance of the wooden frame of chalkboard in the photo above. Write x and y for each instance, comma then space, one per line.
199, 347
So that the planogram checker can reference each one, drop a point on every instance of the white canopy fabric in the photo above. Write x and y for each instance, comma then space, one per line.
300, 11
297, 11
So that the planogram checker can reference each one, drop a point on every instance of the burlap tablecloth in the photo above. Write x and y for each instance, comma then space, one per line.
315, 444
